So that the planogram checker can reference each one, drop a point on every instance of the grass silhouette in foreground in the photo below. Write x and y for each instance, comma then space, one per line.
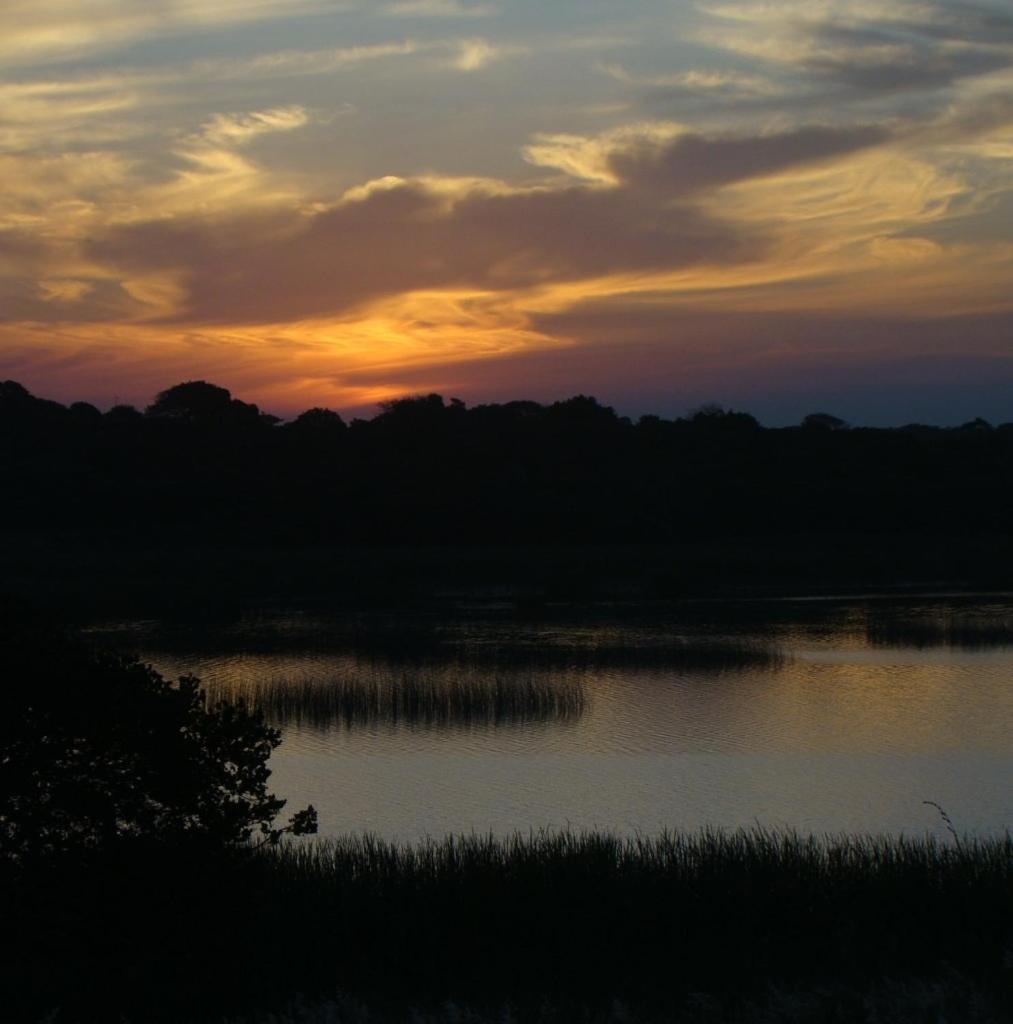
572, 921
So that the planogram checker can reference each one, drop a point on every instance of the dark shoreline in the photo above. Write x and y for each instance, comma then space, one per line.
83, 576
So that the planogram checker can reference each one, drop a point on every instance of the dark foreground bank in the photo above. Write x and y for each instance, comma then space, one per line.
746, 926
81, 577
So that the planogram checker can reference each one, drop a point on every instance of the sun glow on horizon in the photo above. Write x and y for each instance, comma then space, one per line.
418, 206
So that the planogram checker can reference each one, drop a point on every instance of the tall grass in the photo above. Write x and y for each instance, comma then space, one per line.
575, 920
416, 699
591, 918
493, 687
826, 858
965, 632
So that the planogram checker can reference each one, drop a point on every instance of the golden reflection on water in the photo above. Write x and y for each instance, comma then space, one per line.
840, 730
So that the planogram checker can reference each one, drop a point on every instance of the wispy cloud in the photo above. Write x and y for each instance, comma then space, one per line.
468, 54
709, 84
439, 9
33, 31
57, 114
64, 289
650, 203
236, 129
306, 62
590, 157
872, 48
475, 54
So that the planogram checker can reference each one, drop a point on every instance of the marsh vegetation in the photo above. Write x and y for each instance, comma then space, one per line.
579, 922
425, 672
954, 628
697, 925
433, 698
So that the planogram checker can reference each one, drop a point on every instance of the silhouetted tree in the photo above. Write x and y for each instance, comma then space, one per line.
194, 399
197, 401
318, 425
583, 410
417, 412
97, 750
977, 426
13, 394
20, 407
85, 414
824, 421
124, 415
714, 418
707, 411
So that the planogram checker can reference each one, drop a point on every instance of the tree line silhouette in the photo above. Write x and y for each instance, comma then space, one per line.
200, 463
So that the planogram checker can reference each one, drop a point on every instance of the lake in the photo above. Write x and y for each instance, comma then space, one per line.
826, 715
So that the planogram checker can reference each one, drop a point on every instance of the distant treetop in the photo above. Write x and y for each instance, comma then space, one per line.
824, 421
318, 422
197, 401
190, 400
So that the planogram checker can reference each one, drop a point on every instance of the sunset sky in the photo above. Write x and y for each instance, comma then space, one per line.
781, 207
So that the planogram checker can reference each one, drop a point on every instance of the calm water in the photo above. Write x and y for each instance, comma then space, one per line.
819, 715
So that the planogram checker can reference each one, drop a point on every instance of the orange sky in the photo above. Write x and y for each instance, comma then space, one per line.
778, 206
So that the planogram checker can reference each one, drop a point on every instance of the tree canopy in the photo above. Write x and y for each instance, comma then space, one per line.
197, 401
97, 749
200, 465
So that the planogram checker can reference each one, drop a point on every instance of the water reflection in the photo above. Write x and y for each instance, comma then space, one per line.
476, 640
331, 673
817, 715
437, 697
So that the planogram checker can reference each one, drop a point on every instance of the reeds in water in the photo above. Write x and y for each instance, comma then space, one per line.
962, 632
501, 645
433, 699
